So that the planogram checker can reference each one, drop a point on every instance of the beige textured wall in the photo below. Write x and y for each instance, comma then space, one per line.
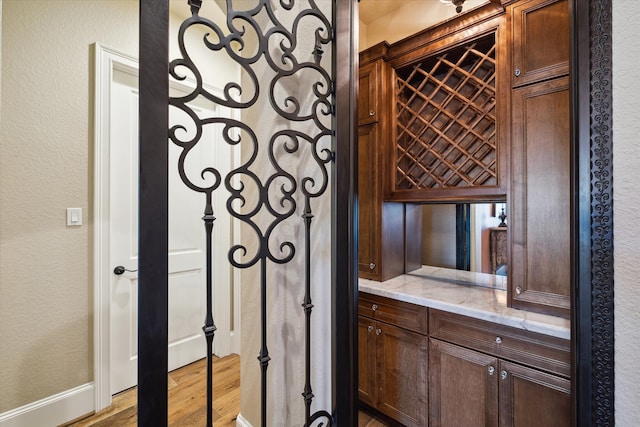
626, 158
45, 155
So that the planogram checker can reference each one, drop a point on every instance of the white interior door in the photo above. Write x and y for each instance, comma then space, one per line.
187, 273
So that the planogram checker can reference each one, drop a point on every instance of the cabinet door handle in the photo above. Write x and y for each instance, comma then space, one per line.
370, 328
372, 265
374, 307
517, 72
503, 374
378, 331
518, 290
498, 340
491, 370
372, 113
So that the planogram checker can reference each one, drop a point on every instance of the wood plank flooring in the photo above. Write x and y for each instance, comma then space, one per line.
187, 399
366, 420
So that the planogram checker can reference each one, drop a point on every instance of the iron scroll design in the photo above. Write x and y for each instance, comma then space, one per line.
278, 194
602, 319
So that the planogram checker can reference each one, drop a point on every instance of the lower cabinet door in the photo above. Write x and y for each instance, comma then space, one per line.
532, 398
367, 379
402, 374
463, 386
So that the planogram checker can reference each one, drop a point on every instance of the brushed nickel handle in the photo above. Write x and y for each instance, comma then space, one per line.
378, 331
503, 374
374, 307
498, 340
517, 72
370, 328
518, 290
491, 370
372, 265
372, 113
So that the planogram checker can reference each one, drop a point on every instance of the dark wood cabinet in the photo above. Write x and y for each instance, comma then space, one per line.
532, 398
369, 203
540, 194
540, 203
504, 376
546, 353
367, 372
393, 358
450, 112
462, 386
402, 363
381, 225
469, 388
369, 93
424, 366
540, 40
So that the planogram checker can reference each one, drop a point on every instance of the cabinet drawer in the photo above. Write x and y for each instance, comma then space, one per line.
402, 314
540, 351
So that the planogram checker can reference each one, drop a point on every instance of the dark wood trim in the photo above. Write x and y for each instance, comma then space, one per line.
593, 214
153, 283
344, 316
374, 52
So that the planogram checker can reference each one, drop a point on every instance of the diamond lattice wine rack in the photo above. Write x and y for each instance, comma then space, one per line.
446, 120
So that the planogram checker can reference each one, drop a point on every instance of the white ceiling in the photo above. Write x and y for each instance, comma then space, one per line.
372, 10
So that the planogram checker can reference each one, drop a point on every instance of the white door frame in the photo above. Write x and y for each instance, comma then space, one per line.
106, 60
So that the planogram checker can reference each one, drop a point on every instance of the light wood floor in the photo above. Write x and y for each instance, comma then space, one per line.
187, 399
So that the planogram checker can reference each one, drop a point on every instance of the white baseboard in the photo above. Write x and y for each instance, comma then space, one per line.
240, 422
53, 410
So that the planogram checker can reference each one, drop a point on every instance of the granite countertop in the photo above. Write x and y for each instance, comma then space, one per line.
477, 295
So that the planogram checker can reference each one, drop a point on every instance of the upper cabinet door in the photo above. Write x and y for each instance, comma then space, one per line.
540, 204
369, 94
541, 40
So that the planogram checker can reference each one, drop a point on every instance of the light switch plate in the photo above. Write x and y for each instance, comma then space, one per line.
74, 216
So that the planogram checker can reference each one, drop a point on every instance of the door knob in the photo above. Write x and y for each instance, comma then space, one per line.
119, 269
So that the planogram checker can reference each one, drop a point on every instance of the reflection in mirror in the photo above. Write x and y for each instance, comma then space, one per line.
469, 237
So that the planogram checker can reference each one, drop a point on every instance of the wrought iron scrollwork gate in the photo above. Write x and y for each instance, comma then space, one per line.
267, 39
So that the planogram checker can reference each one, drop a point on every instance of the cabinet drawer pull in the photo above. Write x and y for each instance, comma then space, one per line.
374, 307
491, 370
378, 331
372, 265
503, 374
498, 340
370, 328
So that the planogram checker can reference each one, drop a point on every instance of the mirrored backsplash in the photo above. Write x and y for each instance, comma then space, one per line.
471, 237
